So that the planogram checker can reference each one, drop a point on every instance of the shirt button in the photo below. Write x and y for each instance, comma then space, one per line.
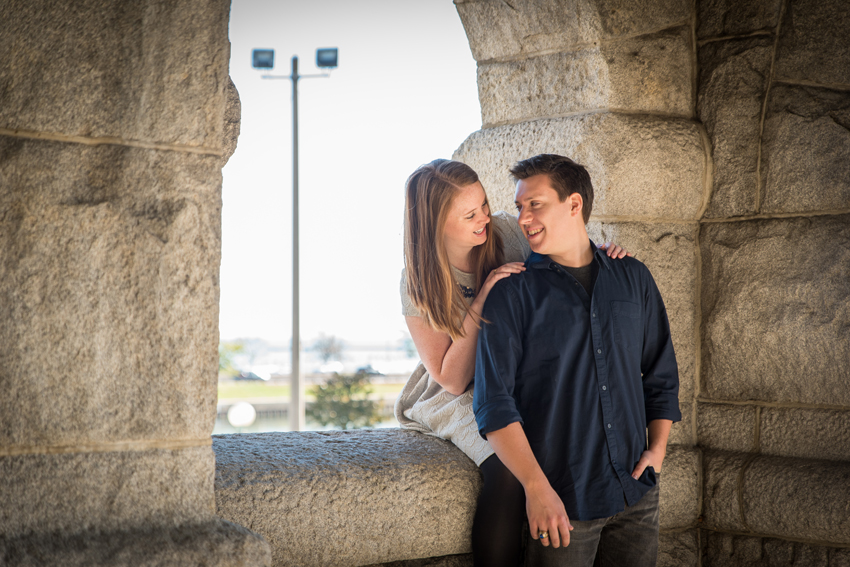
604, 387
594, 313
599, 350
609, 426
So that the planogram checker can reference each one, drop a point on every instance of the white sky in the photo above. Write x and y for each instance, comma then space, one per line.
404, 94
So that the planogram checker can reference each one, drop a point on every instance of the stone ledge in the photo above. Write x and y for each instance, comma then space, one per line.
777, 497
386, 495
216, 543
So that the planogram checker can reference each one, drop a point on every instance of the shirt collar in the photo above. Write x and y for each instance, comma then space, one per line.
541, 261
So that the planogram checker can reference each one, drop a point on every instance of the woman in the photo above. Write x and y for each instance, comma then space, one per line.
455, 251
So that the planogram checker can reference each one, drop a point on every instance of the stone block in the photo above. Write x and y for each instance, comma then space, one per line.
650, 73
721, 509
721, 18
745, 551
669, 251
680, 489
813, 42
215, 543
92, 492
152, 71
682, 432
732, 85
500, 30
777, 496
641, 166
385, 495
806, 433
775, 310
678, 548
726, 427
108, 293
806, 154
797, 498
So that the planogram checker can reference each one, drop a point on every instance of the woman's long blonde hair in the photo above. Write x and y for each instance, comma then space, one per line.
431, 286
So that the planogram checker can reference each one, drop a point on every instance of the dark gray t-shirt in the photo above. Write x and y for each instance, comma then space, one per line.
586, 275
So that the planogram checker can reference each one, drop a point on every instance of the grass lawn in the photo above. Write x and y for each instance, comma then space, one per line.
257, 389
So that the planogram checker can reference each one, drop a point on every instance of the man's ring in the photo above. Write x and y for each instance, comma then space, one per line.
542, 535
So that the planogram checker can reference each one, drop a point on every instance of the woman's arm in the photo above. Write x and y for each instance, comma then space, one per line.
452, 363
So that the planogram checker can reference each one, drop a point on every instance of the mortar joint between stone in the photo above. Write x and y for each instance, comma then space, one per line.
108, 141
759, 197
775, 216
783, 537
758, 33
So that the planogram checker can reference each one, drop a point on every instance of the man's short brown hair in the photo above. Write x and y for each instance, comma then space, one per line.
565, 176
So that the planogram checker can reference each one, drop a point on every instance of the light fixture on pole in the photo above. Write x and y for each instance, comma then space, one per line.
326, 58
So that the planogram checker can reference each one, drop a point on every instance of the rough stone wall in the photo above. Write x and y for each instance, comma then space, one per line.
113, 132
716, 135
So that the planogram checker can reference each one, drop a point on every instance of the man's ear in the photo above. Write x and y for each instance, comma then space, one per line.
576, 204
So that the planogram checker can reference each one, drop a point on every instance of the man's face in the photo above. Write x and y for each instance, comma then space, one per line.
548, 224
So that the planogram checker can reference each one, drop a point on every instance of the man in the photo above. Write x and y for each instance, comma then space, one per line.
575, 366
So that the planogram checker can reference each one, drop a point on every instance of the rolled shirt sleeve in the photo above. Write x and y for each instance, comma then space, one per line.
658, 360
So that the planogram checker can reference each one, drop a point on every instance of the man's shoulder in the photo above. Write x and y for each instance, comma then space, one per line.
522, 285
629, 265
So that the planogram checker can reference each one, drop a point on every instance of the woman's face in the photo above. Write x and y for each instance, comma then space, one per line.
467, 219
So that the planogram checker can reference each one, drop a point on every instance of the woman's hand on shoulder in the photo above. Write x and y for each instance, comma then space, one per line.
614, 250
499, 273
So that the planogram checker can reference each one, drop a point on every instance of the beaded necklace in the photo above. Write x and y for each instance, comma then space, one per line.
467, 292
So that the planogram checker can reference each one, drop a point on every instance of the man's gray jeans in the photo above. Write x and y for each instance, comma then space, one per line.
627, 539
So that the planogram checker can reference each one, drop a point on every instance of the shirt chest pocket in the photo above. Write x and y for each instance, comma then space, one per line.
628, 325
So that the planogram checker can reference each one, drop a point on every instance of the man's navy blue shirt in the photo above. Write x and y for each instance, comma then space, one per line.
582, 374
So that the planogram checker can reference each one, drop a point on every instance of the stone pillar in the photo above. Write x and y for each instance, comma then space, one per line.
610, 84
113, 132
716, 135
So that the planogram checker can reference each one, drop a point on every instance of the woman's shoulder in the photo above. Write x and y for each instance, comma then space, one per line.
514, 243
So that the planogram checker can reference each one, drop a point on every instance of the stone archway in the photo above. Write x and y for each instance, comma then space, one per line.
717, 133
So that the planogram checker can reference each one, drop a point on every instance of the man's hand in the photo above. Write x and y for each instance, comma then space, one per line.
657, 432
546, 513
545, 510
647, 458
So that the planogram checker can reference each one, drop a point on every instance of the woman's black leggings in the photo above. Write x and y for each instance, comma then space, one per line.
497, 529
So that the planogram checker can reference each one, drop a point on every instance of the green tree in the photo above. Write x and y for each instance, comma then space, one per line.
227, 351
343, 402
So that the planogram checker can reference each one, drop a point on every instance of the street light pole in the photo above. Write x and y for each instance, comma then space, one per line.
297, 413
325, 59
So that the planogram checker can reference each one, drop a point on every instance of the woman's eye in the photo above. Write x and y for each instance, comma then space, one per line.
470, 217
